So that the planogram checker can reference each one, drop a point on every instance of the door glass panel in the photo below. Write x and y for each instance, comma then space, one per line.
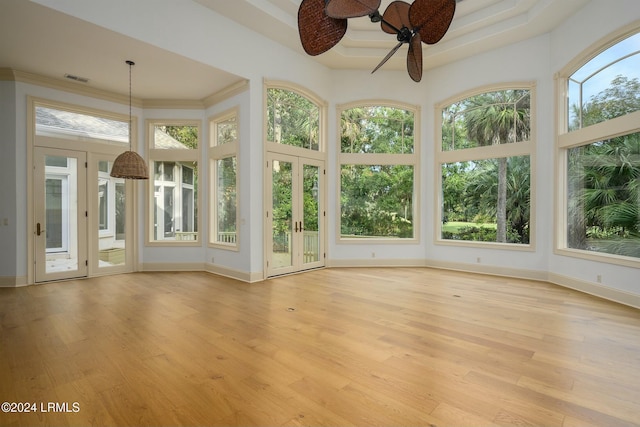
61, 219
282, 181
111, 221
56, 215
311, 214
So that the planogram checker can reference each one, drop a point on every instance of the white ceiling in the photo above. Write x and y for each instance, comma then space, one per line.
39, 40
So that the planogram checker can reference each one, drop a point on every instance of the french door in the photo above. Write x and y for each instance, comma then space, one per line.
82, 216
60, 214
295, 214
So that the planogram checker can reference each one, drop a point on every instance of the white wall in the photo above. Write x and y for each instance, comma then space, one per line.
8, 194
248, 257
526, 61
523, 62
534, 60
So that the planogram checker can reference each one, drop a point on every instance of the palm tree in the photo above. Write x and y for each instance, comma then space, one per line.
482, 187
606, 200
604, 177
498, 118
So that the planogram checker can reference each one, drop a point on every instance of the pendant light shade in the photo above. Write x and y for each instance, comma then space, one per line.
129, 165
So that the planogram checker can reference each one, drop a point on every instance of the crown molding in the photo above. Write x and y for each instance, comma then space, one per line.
227, 92
8, 74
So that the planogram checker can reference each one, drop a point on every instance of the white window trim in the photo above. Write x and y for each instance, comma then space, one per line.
220, 152
524, 148
169, 155
565, 140
409, 159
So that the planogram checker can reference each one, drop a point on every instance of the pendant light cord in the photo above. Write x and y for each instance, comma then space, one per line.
131, 64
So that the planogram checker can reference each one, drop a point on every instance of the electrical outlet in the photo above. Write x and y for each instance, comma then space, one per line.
478, 260
373, 254
599, 278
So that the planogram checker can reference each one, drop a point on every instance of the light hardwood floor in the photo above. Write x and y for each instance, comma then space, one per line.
333, 347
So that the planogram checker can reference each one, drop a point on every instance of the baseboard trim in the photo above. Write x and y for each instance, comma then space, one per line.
596, 289
492, 270
13, 282
171, 266
243, 276
375, 262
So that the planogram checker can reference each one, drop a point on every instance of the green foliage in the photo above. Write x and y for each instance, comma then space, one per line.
377, 129
185, 134
621, 97
227, 194
497, 189
604, 179
478, 234
292, 119
377, 200
470, 191
490, 118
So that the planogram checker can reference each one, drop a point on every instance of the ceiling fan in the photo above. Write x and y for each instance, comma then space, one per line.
323, 23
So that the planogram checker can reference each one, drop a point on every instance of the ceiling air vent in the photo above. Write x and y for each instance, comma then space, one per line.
76, 78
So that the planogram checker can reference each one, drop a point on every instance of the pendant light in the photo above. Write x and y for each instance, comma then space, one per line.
129, 165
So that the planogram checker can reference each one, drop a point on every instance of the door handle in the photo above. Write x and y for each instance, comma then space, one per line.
296, 227
301, 227
39, 231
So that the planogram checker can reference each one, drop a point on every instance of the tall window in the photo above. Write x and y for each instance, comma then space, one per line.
174, 198
223, 164
599, 154
485, 165
378, 164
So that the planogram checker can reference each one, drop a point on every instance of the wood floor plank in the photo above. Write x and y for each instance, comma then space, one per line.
332, 347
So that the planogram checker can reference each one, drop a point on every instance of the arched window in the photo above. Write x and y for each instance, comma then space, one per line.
292, 119
599, 154
607, 86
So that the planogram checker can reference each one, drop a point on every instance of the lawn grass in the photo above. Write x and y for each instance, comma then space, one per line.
455, 226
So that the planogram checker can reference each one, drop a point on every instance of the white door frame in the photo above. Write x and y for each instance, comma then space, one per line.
71, 259
296, 234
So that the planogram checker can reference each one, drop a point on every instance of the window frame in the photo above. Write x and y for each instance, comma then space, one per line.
172, 155
566, 140
218, 152
109, 200
309, 97
380, 159
522, 148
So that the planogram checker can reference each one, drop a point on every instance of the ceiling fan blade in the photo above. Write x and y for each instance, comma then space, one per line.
431, 18
395, 16
414, 58
343, 9
318, 32
386, 58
